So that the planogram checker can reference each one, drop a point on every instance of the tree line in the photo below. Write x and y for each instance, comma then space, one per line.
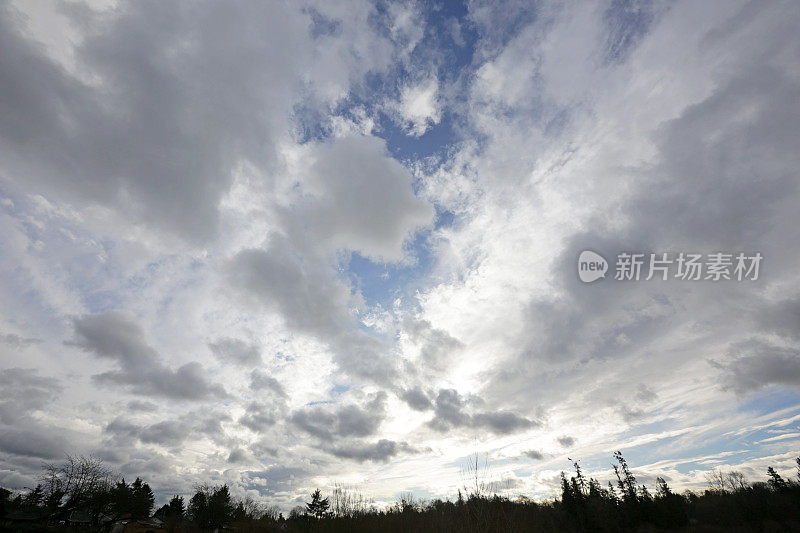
730, 503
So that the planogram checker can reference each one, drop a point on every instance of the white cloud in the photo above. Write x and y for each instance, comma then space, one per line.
356, 197
419, 107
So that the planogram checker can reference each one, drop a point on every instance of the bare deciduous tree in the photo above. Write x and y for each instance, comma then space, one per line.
719, 481
76, 479
735, 481
716, 480
348, 501
475, 473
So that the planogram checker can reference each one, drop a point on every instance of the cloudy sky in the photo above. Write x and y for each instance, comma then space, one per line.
285, 244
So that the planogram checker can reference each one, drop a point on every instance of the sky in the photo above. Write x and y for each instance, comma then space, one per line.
283, 245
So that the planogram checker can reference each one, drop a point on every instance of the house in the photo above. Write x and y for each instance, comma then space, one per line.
79, 518
148, 525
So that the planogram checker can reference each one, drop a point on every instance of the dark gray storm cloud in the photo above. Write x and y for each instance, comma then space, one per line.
117, 337
635, 405
279, 478
535, 455
501, 422
368, 203
782, 318
437, 347
35, 442
209, 424
238, 455
155, 463
166, 433
342, 420
754, 364
644, 393
630, 414
143, 406
417, 399
23, 390
260, 381
747, 164
380, 451
311, 299
566, 441
451, 411
159, 136
308, 296
15, 341
173, 432
259, 417
236, 351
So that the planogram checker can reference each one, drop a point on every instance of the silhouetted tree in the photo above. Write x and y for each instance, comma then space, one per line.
34, 498
731, 504
318, 506
211, 507
79, 482
161, 512
121, 498
797, 461
776, 482
142, 499
662, 489
5, 501
172, 513
625, 479
175, 506
346, 501
198, 507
